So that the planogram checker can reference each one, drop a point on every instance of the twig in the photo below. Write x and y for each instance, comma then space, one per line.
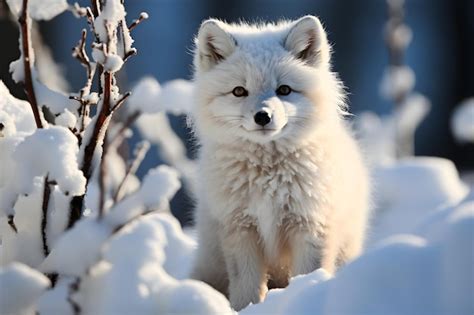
125, 126
98, 133
73, 288
117, 228
44, 217
140, 152
143, 16
95, 7
11, 222
102, 175
79, 52
121, 101
28, 82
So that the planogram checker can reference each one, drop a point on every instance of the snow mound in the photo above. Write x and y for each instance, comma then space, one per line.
133, 277
24, 286
408, 191
405, 274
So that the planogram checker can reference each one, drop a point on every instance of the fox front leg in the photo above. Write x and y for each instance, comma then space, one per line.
245, 267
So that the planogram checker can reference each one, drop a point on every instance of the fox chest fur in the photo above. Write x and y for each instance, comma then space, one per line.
268, 187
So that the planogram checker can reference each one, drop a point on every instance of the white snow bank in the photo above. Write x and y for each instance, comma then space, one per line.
462, 121
408, 191
39, 9
131, 278
405, 274
421, 254
20, 288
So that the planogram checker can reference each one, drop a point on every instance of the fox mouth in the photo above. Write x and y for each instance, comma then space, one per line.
264, 130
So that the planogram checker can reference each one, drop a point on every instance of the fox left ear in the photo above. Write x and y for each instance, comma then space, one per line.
213, 44
307, 41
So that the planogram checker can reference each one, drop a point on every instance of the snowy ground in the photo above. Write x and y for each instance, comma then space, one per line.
134, 258
419, 260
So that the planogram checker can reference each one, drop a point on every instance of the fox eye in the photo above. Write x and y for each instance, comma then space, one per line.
283, 90
239, 91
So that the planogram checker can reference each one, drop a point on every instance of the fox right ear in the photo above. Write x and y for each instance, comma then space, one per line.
213, 44
307, 41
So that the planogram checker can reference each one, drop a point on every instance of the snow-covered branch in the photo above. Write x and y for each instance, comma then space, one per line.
27, 57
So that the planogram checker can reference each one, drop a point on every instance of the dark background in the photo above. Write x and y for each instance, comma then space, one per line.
441, 53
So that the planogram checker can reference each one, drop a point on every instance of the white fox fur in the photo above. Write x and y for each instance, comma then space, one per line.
286, 198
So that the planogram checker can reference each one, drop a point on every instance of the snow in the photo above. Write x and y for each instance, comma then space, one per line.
110, 61
462, 121
17, 69
17, 111
24, 246
157, 188
412, 112
136, 259
55, 301
66, 119
401, 36
113, 63
39, 9
52, 152
24, 285
56, 101
406, 274
160, 182
144, 96
125, 283
175, 97
380, 136
77, 249
112, 13
396, 81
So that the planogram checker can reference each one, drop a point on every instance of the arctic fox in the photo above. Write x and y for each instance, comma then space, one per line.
283, 189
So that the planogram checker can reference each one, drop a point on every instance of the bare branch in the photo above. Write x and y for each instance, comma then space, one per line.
97, 137
24, 20
102, 176
44, 216
125, 126
121, 101
73, 288
139, 152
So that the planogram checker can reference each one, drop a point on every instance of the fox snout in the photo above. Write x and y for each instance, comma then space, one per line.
262, 118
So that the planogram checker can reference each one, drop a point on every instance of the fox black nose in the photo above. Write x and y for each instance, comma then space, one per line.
262, 118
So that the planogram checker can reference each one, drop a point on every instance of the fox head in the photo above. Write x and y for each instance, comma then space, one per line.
263, 83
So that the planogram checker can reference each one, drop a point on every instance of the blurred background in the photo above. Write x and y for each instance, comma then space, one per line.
441, 54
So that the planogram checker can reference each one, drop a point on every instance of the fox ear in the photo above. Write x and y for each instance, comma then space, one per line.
307, 41
213, 44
